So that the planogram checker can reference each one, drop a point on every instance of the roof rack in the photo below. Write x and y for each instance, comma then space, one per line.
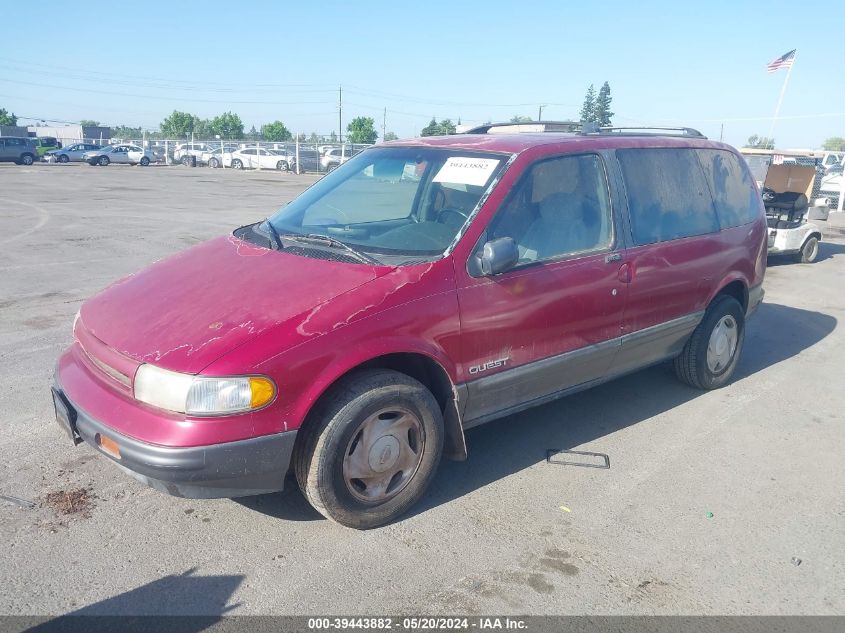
592, 128
575, 127
526, 126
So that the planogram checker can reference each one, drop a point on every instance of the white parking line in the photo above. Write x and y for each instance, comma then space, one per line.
41, 222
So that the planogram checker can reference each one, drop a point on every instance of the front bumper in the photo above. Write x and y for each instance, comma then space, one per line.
232, 469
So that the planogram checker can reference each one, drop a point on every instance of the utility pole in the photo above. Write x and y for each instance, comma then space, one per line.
384, 125
540, 113
722, 133
340, 114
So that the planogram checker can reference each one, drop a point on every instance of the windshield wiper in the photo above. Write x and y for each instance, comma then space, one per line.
275, 234
325, 240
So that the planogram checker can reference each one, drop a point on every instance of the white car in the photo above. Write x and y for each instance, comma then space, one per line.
125, 154
186, 150
254, 158
334, 156
831, 185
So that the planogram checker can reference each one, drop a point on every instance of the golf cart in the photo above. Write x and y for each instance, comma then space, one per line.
786, 181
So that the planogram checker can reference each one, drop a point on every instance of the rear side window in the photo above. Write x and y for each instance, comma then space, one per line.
737, 201
668, 197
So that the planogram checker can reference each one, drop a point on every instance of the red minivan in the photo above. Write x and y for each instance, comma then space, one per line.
423, 287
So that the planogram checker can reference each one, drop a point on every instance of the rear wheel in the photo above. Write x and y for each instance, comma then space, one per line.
27, 159
103, 161
709, 357
214, 163
282, 165
63, 158
144, 161
371, 449
237, 164
809, 251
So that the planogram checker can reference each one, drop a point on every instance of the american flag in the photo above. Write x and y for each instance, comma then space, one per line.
784, 61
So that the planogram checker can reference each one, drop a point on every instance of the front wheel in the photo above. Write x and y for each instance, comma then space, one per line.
371, 448
282, 165
103, 161
214, 163
27, 159
144, 161
710, 356
237, 164
63, 158
809, 251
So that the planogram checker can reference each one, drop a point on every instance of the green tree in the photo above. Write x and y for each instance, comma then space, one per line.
390, 136
202, 128
314, 138
228, 125
760, 142
124, 131
178, 125
89, 123
275, 131
518, 118
588, 110
7, 118
446, 127
835, 144
432, 129
362, 130
603, 115
438, 129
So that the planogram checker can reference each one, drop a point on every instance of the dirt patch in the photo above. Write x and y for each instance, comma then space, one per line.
77, 501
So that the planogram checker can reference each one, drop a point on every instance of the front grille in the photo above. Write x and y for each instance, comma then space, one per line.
110, 372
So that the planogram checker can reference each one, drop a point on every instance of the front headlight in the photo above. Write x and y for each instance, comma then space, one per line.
201, 395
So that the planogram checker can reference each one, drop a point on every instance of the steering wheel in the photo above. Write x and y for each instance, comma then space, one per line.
446, 210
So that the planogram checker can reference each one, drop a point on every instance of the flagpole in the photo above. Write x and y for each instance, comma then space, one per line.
780, 99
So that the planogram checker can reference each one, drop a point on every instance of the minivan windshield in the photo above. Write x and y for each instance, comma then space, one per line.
395, 203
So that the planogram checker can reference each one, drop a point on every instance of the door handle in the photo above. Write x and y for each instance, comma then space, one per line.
613, 257
626, 273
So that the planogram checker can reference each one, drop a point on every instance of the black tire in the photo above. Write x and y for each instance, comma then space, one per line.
692, 366
144, 161
27, 159
103, 161
282, 165
237, 164
214, 163
63, 158
332, 434
809, 251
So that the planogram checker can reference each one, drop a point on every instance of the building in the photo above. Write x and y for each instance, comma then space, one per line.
68, 134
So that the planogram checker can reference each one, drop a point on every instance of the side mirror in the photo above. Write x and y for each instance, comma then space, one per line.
498, 255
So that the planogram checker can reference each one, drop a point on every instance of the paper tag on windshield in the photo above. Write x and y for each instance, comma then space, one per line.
466, 171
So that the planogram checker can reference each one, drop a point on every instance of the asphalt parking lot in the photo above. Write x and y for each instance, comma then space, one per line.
728, 502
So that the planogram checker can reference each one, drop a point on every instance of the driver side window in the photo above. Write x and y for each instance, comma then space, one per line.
560, 207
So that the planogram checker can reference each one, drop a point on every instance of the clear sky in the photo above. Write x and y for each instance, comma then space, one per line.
698, 64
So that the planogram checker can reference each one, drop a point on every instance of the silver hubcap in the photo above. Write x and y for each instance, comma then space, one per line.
812, 250
383, 455
722, 345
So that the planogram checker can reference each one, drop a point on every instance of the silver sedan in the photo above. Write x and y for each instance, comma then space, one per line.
71, 153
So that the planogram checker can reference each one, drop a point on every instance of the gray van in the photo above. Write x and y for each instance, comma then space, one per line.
17, 149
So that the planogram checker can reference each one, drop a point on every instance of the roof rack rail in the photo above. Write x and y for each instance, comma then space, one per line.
592, 128
575, 127
526, 126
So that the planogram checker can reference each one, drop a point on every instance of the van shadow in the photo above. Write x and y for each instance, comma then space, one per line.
511, 444
184, 603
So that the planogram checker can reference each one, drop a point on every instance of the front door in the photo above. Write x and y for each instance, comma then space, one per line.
553, 321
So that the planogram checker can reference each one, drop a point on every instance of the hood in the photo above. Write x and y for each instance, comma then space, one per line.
184, 312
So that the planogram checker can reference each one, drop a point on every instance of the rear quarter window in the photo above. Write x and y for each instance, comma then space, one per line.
668, 196
734, 195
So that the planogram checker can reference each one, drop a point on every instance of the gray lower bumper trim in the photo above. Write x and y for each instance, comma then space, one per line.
233, 469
